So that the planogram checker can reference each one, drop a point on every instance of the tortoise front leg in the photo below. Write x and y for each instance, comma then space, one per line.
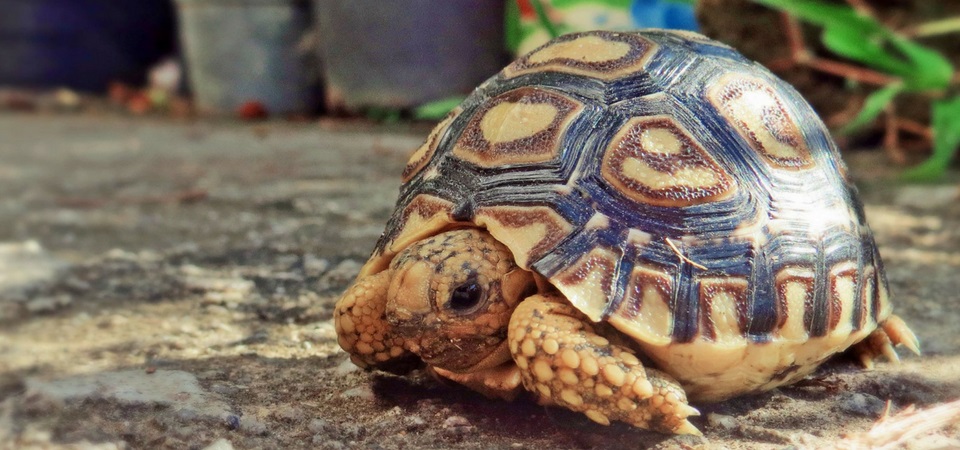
565, 362
362, 328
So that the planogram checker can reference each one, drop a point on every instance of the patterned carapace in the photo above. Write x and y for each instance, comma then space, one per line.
664, 184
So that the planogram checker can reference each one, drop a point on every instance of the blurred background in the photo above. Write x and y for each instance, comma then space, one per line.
879, 72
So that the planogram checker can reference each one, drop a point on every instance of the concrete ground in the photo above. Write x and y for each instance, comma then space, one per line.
170, 285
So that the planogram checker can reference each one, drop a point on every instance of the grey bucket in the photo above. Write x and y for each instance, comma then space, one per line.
402, 53
240, 51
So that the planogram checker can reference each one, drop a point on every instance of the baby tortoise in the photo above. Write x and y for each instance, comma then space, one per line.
620, 222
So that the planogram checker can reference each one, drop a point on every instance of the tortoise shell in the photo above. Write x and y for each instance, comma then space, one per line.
667, 185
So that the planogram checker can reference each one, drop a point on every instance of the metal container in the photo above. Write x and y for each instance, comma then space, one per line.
403, 53
243, 51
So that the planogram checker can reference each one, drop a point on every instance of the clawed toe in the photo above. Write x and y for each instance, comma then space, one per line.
881, 342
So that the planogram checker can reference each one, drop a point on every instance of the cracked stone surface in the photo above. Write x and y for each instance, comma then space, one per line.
210, 254
173, 389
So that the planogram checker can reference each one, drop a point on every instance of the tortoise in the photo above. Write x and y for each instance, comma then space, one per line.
620, 222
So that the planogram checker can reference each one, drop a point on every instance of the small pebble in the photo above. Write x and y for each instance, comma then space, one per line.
289, 413
456, 426
346, 367
456, 421
360, 392
315, 266
325, 443
319, 426
722, 421
414, 423
224, 389
251, 425
219, 444
685, 442
48, 304
861, 404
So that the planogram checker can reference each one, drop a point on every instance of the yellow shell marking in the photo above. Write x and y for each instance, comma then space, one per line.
796, 296
422, 216
521, 126
660, 140
795, 293
843, 297
587, 282
511, 121
760, 117
592, 49
645, 312
867, 292
527, 231
422, 155
655, 160
601, 55
725, 299
750, 108
642, 173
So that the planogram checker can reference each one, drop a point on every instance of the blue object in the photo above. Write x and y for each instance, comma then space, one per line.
663, 14
82, 44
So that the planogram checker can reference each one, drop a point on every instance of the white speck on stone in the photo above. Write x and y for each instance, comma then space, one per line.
253, 426
25, 266
861, 404
315, 266
360, 392
456, 421
219, 444
346, 367
48, 304
722, 421
172, 388
319, 426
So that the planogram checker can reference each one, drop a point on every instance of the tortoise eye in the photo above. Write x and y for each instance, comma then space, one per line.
466, 296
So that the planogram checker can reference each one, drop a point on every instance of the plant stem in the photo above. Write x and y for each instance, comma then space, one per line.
935, 28
850, 71
544, 19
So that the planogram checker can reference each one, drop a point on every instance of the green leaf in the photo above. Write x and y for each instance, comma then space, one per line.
824, 14
934, 71
946, 140
872, 106
544, 19
512, 35
852, 43
437, 109
383, 114
863, 39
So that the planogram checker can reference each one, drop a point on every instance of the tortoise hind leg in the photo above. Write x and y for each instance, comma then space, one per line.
564, 362
890, 333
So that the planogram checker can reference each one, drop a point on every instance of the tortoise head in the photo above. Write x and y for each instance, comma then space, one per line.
451, 297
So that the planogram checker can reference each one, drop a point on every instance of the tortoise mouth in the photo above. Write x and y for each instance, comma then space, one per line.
456, 354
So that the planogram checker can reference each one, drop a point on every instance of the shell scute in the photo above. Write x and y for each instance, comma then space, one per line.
654, 160
598, 55
522, 126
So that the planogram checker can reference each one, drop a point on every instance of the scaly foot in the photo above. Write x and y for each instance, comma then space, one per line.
562, 360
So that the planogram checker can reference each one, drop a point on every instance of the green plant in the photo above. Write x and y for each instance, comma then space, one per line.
912, 67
